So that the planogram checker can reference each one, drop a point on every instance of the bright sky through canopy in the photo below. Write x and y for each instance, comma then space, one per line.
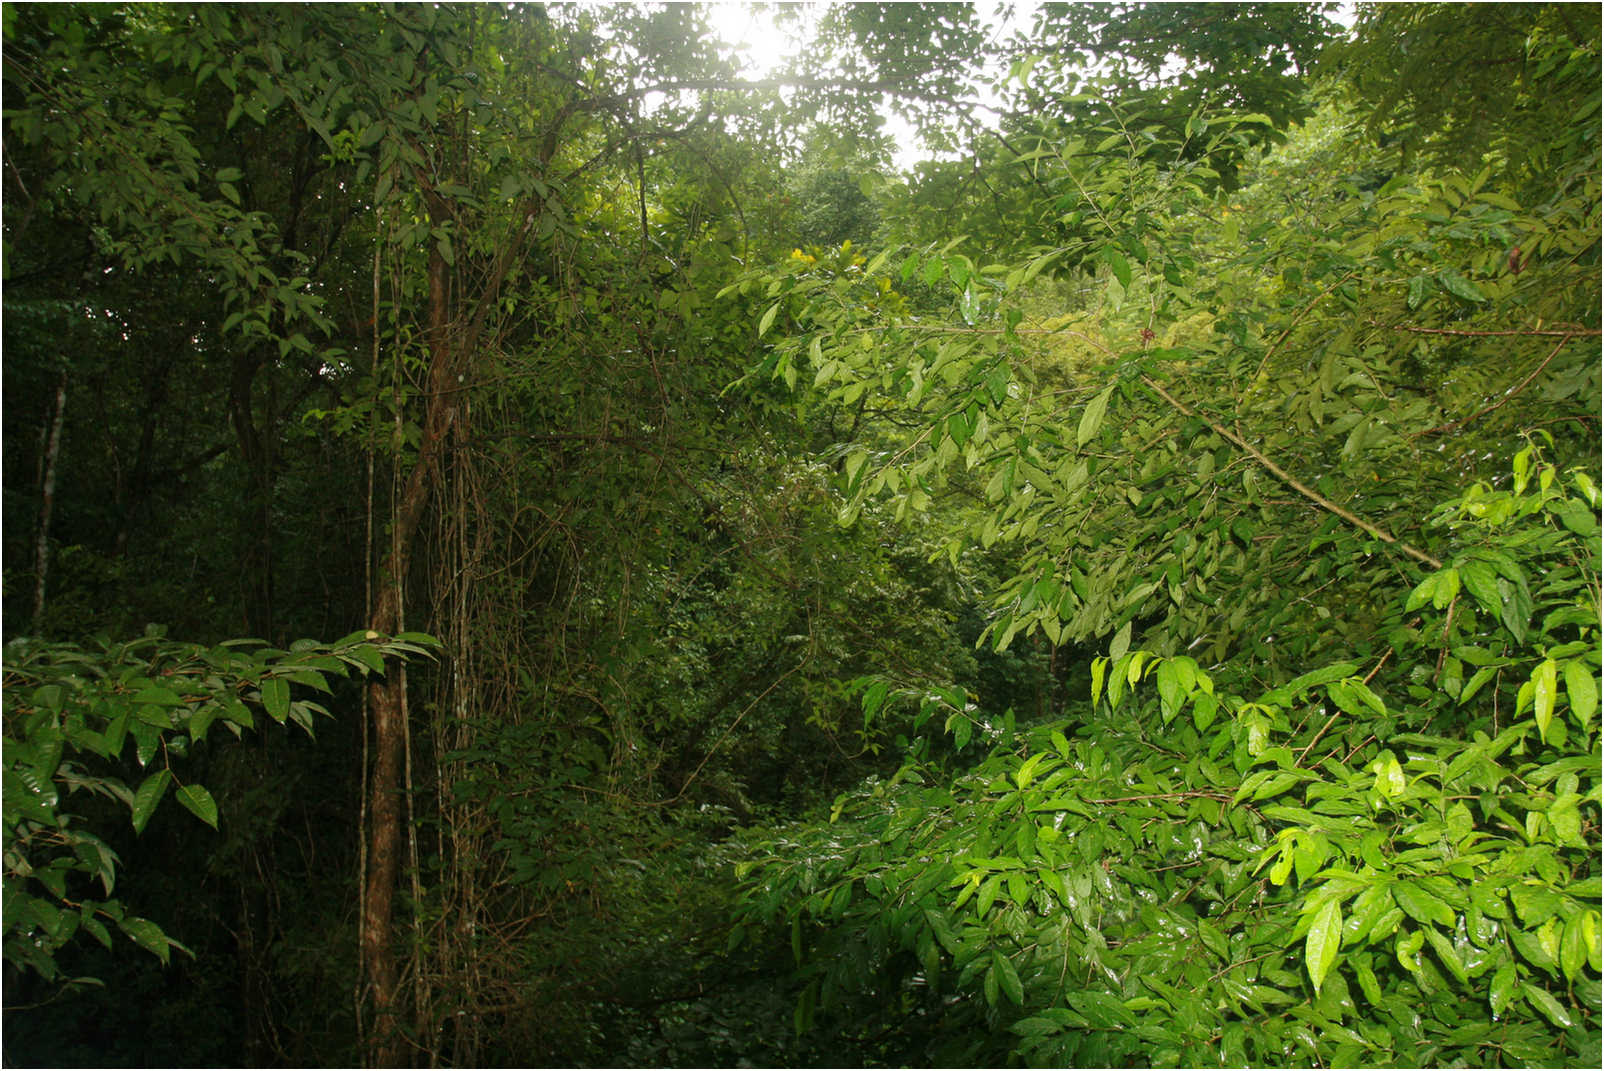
763, 47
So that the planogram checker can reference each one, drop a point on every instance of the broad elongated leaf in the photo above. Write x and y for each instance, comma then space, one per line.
1545, 1002
1117, 264
198, 802
276, 698
1502, 990
1322, 942
767, 321
1543, 688
1460, 287
1091, 420
1008, 978
1581, 686
147, 796
1169, 690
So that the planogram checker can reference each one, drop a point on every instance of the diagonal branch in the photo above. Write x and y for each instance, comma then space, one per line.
1442, 429
1285, 477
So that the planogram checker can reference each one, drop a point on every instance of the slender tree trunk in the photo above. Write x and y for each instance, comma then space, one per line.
452, 342
47, 501
387, 1045
255, 522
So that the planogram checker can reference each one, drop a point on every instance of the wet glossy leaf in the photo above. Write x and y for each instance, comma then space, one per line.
276, 698
148, 795
1551, 1008
1322, 941
198, 802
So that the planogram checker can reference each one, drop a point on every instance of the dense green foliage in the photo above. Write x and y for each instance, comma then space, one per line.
1122, 592
75, 713
1197, 872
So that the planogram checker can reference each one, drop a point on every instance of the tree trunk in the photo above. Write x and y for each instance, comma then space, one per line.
47, 502
387, 1045
256, 571
452, 343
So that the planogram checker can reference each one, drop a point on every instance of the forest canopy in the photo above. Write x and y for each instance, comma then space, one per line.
531, 541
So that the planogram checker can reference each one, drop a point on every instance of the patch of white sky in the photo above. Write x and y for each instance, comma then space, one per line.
763, 44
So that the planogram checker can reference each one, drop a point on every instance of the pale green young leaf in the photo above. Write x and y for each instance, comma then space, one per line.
767, 321
1121, 643
1091, 420
1581, 686
1543, 688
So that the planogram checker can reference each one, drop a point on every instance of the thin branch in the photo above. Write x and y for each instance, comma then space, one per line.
1288, 479
1533, 332
1332, 720
731, 727
1442, 429
1297, 319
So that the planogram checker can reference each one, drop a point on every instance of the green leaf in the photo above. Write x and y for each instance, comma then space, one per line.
1544, 1002
767, 321
1390, 779
1321, 944
1543, 688
199, 802
147, 797
276, 698
1459, 286
149, 936
1446, 953
1118, 264
1421, 905
1121, 644
1091, 420
1502, 990
158, 696
365, 655
1515, 608
1008, 978
1481, 581
1417, 290
1447, 589
1581, 685
1573, 947
1027, 769
1422, 594
1355, 697
1169, 690
1578, 517
997, 383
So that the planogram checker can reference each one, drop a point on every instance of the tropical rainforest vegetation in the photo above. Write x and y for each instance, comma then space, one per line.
529, 542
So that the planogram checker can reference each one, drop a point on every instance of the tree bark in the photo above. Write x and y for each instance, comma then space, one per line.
47, 501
